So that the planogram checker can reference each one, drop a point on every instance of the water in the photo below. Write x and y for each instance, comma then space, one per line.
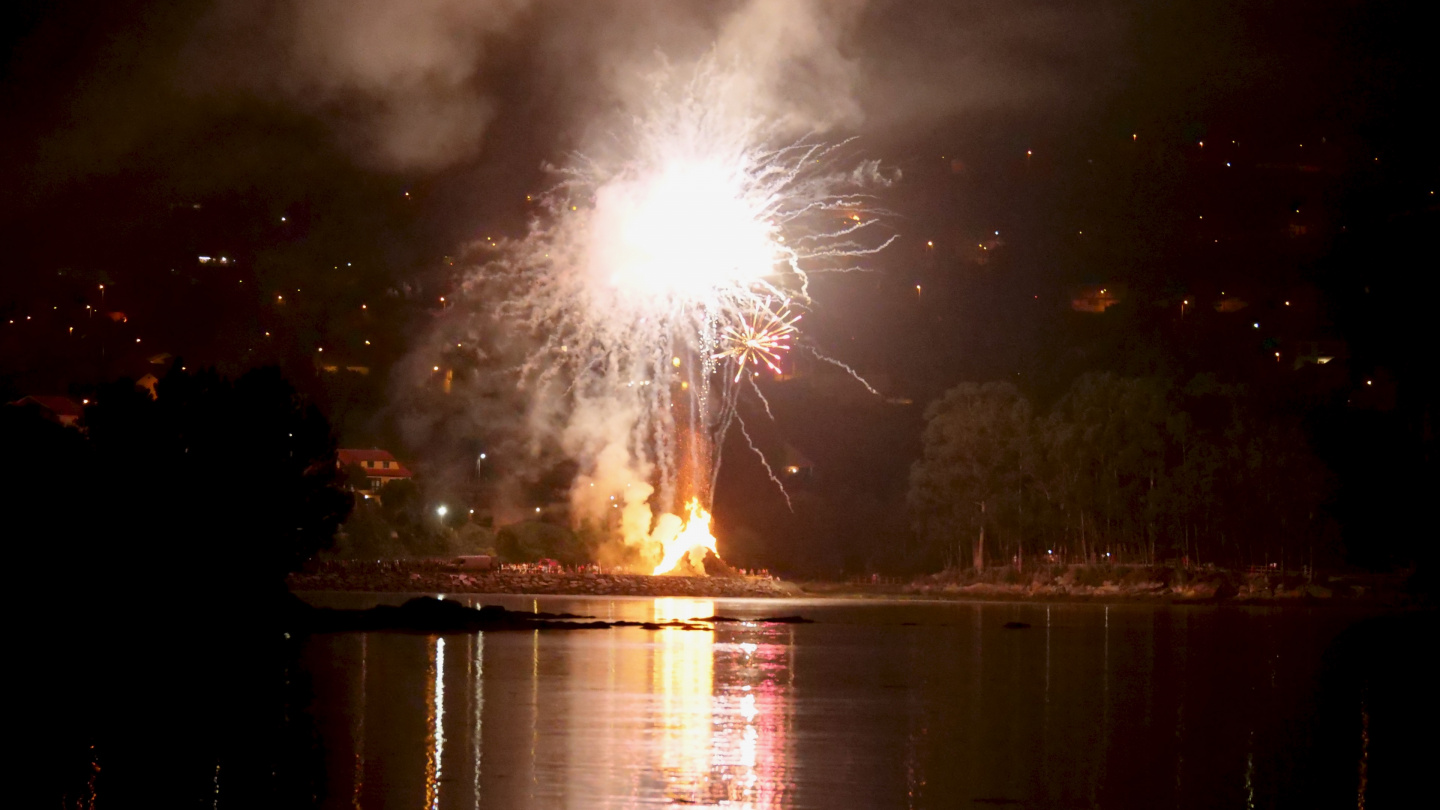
874, 705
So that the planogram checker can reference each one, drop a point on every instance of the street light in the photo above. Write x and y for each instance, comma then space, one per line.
441, 510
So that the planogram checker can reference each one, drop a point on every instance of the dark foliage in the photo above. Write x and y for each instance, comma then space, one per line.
154, 544
1121, 468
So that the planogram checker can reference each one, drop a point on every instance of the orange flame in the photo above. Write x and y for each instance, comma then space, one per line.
695, 537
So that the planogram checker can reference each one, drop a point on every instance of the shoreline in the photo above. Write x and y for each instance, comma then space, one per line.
1219, 588
540, 583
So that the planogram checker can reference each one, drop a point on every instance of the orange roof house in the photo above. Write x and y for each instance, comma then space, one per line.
61, 410
379, 465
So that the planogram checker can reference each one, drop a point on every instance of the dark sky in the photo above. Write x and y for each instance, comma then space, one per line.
389, 135
344, 147
111, 107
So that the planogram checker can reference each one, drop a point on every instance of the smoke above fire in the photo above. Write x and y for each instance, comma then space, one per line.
414, 85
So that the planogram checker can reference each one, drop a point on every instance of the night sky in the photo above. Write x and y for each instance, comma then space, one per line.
343, 157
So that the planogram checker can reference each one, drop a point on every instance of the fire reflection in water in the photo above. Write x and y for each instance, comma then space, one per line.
435, 721
683, 680
724, 715
596, 719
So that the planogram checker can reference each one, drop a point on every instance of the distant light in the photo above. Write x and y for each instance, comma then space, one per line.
84, 402
282, 219
1287, 303
441, 510
137, 340
472, 511
482, 456
362, 306
1227, 164
675, 361
537, 510
437, 368
1028, 153
442, 299
1256, 325
930, 244
321, 349
1369, 382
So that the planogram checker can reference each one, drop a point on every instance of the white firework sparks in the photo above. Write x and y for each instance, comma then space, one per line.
642, 276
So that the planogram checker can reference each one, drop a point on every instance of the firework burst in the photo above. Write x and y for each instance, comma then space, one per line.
759, 338
644, 274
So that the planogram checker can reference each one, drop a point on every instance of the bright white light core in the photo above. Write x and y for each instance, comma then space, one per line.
682, 232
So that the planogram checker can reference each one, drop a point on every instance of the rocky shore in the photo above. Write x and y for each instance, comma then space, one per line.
1147, 583
419, 579
1074, 583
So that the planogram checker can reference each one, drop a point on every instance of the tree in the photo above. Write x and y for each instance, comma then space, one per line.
172, 522
976, 442
1108, 437
532, 540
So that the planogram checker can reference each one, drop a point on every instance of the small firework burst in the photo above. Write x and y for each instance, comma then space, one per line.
758, 338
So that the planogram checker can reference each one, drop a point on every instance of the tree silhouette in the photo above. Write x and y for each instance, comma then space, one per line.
171, 522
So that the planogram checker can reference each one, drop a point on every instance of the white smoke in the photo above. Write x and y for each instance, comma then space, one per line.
399, 81
413, 85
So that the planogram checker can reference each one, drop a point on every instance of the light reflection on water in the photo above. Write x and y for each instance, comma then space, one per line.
1092, 706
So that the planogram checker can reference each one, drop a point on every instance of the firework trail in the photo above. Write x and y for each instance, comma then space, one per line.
646, 276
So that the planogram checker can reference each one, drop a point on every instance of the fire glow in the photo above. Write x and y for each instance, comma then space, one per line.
693, 541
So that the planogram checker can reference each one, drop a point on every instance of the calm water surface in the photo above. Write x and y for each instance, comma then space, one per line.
874, 705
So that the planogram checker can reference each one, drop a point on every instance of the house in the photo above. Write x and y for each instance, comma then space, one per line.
60, 410
380, 467
147, 382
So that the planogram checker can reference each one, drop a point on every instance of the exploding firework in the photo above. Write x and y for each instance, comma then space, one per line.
645, 276
759, 338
